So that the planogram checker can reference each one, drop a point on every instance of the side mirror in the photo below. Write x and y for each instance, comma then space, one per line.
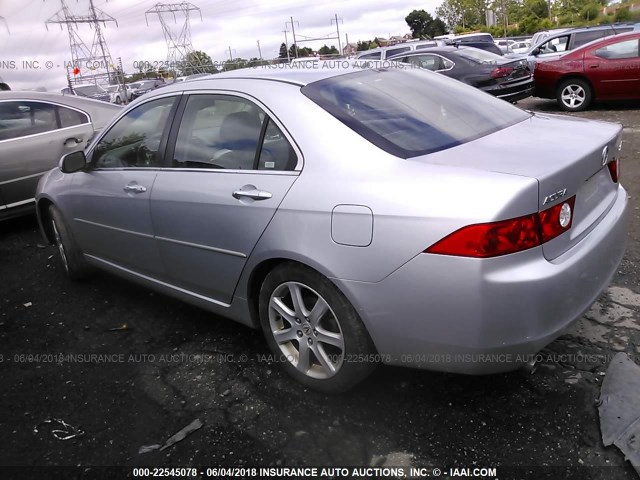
73, 162
535, 52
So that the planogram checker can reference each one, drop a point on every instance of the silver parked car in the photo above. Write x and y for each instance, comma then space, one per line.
356, 216
36, 129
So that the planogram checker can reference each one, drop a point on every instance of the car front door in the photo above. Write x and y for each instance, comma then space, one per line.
109, 201
614, 69
230, 166
33, 137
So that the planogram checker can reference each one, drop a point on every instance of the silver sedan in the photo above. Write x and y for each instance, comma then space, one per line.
356, 216
36, 129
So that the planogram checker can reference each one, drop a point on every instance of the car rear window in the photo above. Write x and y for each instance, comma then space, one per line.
479, 56
409, 112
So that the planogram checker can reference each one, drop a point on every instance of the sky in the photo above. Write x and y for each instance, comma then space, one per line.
238, 24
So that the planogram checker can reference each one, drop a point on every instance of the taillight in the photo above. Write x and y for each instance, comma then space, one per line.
485, 240
501, 72
613, 169
556, 220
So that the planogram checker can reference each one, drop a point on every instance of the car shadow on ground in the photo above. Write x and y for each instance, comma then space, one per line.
551, 106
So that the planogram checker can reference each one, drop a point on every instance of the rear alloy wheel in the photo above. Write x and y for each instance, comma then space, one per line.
313, 330
574, 95
118, 101
72, 259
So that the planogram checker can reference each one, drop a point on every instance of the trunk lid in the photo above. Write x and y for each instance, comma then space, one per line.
564, 154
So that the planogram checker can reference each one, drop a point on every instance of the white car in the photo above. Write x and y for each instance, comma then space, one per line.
119, 95
522, 46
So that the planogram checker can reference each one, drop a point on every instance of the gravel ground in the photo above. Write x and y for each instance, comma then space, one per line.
162, 364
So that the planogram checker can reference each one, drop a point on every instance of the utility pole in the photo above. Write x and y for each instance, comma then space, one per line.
293, 31
504, 18
286, 43
337, 20
97, 58
2, 19
179, 46
259, 51
230, 56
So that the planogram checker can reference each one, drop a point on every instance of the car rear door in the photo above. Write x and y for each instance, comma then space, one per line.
109, 201
33, 137
614, 69
230, 167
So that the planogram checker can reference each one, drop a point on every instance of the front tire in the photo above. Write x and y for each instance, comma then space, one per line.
313, 329
574, 95
70, 254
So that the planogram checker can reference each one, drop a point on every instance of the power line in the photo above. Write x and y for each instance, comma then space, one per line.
95, 58
179, 46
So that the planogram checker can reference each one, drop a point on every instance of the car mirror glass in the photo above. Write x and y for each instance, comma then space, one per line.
73, 162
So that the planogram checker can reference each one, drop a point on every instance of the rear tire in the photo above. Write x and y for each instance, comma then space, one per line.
71, 256
574, 95
318, 337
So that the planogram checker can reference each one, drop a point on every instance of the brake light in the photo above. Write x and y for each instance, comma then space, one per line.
501, 72
556, 220
613, 169
485, 240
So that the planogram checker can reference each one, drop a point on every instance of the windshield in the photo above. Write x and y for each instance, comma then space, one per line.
411, 112
89, 89
146, 85
112, 88
479, 56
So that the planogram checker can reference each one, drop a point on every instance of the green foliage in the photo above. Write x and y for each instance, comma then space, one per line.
590, 11
623, 15
325, 50
198, 62
283, 51
363, 45
423, 25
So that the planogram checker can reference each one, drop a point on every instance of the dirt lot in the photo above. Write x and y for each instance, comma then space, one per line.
163, 364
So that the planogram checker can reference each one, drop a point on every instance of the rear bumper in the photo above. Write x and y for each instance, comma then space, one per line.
487, 316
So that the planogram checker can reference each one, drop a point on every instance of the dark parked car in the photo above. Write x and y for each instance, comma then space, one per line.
147, 86
606, 69
509, 79
488, 46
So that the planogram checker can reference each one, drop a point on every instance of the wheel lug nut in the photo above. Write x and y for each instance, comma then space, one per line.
299, 333
310, 341
315, 332
298, 321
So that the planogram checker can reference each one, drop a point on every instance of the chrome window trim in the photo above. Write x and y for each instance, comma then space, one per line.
437, 55
6, 100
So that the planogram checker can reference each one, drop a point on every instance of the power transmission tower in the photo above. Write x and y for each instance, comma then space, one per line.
89, 64
5, 24
178, 43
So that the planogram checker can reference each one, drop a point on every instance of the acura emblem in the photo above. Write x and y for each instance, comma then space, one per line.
605, 155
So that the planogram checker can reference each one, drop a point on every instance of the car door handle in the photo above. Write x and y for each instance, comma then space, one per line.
255, 194
72, 139
134, 188
594, 66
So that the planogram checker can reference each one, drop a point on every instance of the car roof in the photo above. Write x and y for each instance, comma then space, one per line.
609, 39
71, 100
297, 74
422, 51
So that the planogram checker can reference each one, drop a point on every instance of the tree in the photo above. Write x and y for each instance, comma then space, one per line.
283, 51
302, 51
198, 62
419, 21
363, 45
423, 25
324, 50
452, 12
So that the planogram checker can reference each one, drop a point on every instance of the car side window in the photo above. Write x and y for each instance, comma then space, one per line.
620, 50
21, 118
582, 38
371, 56
70, 118
397, 51
558, 44
134, 140
430, 62
224, 132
